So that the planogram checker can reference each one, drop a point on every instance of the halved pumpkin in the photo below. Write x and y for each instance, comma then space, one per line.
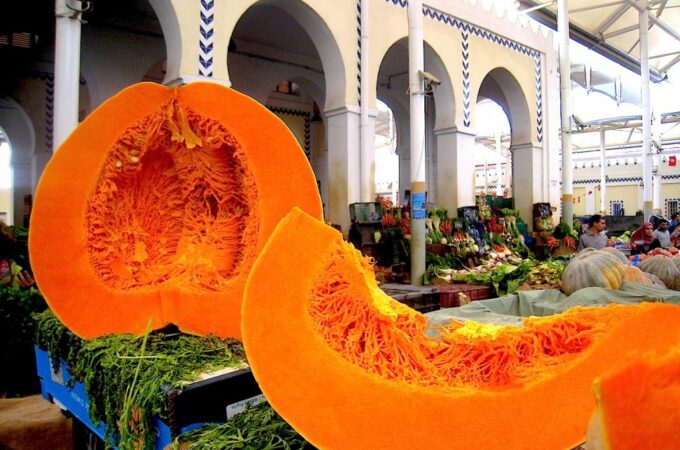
349, 367
638, 404
157, 205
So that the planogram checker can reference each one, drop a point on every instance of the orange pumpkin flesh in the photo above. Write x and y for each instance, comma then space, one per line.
348, 367
638, 404
158, 204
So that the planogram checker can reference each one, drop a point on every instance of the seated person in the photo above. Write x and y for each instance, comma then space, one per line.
662, 234
642, 239
594, 236
11, 274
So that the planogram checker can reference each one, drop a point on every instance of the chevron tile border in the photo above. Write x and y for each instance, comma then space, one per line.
539, 99
49, 113
465, 43
466, 28
307, 116
359, 50
206, 41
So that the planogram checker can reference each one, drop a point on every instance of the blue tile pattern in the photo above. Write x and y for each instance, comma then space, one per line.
206, 40
467, 28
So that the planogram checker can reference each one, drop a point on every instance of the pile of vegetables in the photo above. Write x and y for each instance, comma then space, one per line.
546, 274
126, 376
17, 330
504, 278
259, 427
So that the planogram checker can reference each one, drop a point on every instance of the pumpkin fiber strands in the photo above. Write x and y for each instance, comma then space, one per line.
349, 367
157, 206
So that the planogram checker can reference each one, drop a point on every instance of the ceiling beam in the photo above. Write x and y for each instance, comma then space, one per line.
598, 6
620, 31
613, 17
660, 23
670, 64
548, 17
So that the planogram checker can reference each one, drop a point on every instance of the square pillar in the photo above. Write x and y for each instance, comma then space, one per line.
342, 135
527, 178
455, 169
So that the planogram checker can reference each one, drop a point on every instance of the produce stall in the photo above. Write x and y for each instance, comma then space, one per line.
146, 343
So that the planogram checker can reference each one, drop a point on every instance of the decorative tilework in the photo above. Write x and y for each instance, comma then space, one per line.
359, 50
49, 113
467, 28
205, 54
466, 77
307, 116
539, 98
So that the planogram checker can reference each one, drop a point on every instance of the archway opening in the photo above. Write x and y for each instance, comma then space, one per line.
392, 86
493, 159
386, 157
6, 190
276, 55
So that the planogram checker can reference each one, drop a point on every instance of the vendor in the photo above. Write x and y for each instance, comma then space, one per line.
594, 237
642, 239
11, 274
663, 235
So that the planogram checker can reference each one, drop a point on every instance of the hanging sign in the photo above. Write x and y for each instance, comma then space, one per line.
418, 205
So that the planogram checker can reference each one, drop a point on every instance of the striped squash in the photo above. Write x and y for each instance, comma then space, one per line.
592, 268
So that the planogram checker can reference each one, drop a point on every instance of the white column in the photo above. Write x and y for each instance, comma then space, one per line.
66, 69
565, 91
343, 172
456, 169
646, 111
603, 172
528, 176
417, 125
367, 138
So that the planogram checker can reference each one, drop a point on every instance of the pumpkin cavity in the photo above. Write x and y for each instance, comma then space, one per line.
389, 339
175, 200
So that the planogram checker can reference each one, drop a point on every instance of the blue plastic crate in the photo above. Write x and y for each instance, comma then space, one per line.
225, 394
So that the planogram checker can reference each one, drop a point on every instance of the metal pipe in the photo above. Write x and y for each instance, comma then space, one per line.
603, 171
646, 111
367, 158
66, 69
565, 106
417, 124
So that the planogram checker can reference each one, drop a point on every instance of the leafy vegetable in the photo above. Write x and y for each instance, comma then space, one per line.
259, 427
153, 364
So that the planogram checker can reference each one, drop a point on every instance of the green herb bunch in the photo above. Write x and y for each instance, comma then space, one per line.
126, 377
257, 428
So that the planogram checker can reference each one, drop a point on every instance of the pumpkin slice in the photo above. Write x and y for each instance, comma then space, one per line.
637, 404
349, 367
157, 205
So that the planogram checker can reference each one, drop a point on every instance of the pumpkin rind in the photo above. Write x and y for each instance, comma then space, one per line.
637, 404
157, 205
636, 275
664, 268
617, 253
359, 371
592, 268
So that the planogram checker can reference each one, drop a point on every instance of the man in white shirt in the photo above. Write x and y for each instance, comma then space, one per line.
662, 234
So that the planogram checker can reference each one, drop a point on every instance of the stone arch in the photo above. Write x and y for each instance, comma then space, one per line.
20, 133
444, 97
333, 77
392, 81
501, 86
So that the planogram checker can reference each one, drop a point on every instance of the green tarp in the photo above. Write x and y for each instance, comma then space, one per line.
511, 309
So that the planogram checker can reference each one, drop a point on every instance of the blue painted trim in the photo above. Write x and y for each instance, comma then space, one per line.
206, 40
